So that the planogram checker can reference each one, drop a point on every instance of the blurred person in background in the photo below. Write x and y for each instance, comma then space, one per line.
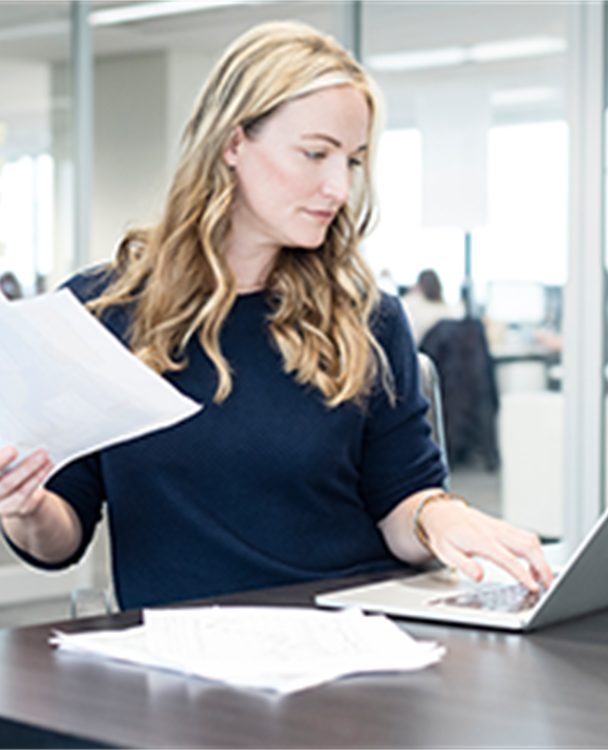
10, 286
425, 306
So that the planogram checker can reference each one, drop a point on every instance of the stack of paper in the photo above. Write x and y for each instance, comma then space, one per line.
70, 386
268, 648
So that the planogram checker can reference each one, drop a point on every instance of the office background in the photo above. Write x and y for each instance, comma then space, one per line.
490, 171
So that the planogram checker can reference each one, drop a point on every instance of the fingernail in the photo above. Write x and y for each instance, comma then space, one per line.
6, 453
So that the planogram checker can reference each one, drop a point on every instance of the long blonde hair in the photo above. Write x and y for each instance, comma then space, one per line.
176, 273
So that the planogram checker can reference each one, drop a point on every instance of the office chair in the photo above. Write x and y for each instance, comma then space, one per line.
90, 602
459, 350
429, 383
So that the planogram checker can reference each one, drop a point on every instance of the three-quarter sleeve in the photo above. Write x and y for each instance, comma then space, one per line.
80, 485
399, 456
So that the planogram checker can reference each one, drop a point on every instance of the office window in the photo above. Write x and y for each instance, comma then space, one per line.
526, 234
35, 162
26, 219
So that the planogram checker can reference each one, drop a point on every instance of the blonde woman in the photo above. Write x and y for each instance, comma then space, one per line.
311, 458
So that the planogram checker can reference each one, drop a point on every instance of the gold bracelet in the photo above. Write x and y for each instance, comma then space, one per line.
419, 529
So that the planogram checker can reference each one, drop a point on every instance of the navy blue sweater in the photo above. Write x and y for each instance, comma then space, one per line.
270, 487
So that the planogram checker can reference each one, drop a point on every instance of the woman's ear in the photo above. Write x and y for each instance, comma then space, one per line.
233, 146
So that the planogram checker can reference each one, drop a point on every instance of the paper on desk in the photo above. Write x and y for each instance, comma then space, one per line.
268, 648
69, 386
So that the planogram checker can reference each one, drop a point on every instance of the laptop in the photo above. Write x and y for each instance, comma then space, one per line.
579, 588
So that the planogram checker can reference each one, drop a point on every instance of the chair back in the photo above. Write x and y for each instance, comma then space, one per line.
429, 383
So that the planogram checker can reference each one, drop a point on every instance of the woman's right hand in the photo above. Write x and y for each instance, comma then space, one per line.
21, 491
36, 520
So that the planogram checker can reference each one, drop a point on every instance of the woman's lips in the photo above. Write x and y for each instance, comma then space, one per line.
324, 217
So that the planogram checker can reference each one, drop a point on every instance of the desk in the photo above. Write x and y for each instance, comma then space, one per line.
546, 689
522, 368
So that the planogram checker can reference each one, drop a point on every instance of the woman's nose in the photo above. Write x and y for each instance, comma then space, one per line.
337, 183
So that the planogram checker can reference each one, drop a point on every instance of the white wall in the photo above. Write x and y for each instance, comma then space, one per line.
142, 103
129, 169
187, 71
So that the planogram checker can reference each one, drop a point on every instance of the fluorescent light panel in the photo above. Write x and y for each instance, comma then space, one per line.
515, 97
510, 49
507, 49
146, 11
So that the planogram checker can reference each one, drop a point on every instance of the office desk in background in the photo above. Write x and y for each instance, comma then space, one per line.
522, 368
492, 689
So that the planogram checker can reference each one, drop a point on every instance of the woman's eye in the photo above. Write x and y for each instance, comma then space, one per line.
315, 155
353, 162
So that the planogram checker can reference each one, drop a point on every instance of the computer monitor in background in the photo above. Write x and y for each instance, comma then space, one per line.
554, 301
520, 303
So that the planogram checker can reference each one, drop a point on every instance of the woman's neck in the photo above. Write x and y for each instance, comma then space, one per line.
249, 288
250, 266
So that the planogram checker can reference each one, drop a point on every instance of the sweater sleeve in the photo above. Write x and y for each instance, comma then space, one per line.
399, 455
80, 484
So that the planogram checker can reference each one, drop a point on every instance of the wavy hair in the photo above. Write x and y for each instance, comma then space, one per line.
175, 274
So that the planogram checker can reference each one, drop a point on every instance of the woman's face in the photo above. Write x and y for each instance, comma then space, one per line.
295, 173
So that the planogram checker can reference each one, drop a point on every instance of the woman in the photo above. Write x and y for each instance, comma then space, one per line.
311, 457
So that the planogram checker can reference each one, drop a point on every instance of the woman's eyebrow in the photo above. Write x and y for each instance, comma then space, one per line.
330, 139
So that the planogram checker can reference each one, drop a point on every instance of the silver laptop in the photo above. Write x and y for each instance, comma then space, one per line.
580, 587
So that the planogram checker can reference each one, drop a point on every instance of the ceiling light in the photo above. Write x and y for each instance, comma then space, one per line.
514, 97
146, 11
419, 60
507, 49
510, 49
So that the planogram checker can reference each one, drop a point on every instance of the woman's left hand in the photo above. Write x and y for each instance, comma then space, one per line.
458, 533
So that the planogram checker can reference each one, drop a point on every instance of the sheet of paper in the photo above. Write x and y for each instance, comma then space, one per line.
268, 648
69, 386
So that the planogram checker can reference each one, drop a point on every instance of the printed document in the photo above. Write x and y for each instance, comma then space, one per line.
69, 386
280, 649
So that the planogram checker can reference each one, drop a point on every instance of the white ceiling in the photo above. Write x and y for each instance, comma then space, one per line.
39, 29
36, 32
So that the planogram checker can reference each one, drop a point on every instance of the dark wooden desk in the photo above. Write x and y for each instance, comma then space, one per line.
546, 689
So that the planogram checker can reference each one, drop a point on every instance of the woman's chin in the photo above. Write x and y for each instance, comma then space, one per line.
308, 242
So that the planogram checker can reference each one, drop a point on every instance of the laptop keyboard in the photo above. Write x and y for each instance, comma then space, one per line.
510, 597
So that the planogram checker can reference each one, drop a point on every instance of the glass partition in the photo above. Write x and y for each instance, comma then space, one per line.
35, 163
473, 184
35, 195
